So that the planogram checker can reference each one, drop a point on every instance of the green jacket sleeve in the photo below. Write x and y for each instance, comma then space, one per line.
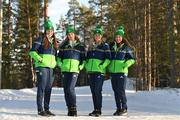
82, 65
105, 63
128, 63
34, 48
35, 56
130, 58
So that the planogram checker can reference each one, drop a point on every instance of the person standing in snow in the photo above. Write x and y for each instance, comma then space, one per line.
43, 52
71, 59
98, 58
122, 58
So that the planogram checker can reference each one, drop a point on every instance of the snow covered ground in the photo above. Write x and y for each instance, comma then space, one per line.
156, 105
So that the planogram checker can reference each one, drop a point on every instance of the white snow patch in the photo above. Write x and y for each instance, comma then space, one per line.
162, 104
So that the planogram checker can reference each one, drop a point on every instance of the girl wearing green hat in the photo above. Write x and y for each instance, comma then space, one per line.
71, 59
121, 59
43, 52
98, 58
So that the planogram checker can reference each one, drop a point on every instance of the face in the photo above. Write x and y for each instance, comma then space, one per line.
49, 33
71, 36
118, 39
98, 38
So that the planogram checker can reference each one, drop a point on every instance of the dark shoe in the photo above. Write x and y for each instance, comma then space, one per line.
120, 112
117, 113
42, 113
95, 113
123, 112
72, 111
49, 113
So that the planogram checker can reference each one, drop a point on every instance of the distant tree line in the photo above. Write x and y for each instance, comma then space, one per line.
152, 28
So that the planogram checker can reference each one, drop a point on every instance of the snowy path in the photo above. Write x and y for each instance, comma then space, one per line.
155, 105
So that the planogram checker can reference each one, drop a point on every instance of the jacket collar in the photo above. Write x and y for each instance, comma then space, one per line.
117, 47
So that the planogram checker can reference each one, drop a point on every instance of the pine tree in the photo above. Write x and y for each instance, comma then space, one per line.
73, 13
1, 17
7, 43
27, 28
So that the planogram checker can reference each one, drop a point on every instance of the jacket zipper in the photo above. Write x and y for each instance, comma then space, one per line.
70, 64
92, 61
51, 53
92, 64
114, 66
114, 61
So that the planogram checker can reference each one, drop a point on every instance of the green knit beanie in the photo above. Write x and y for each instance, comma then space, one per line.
98, 30
48, 25
120, 31
70, 29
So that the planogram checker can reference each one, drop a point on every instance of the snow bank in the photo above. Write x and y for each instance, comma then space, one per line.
155, 105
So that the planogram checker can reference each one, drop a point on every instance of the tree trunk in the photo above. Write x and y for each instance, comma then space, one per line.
145, 75
8, 68
137, 51
45, 9
30, 45
38, 15
74, 14
154, 64
149, 72
1, 19
147, 46
171, 31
